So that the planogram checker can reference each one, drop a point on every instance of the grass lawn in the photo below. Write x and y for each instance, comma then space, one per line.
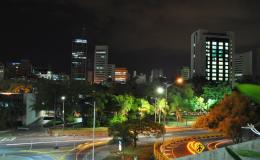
143, 152
173, 123
250, 90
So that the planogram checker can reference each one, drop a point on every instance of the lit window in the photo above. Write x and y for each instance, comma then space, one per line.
214, 47
220, 63
226, 55
208, 42
214, 74
226, 67
220, 59
214, 63
214, 70
208, 74
220, 47
226, 63
214, 78
220, 75
214, 66
220, 43
214, 51
207, 46
214, 43
220, 67
226, 48
220, 71
221, 79
220, 51
226, 44
226, 75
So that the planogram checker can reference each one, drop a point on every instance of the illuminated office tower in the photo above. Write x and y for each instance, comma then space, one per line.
79, 59
100, 64
121, 75
211, 55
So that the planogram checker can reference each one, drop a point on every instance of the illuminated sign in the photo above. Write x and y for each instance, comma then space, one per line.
195, 147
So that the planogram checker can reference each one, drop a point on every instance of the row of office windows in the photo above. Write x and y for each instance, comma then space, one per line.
220, 63
215, 78
214, 43
215, 66
220, 59
214, 70
219, 75
215, 47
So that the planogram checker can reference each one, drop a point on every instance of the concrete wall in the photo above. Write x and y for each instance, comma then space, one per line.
222, 154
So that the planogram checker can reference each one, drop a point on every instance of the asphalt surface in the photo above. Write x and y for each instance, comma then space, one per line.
27, 145
30, 145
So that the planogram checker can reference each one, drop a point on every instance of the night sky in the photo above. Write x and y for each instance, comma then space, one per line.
141, 34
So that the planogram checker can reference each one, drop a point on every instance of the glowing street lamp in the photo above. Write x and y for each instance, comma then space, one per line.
160, 90
179, 80
63, 112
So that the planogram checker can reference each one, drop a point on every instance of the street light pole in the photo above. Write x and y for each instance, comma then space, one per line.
94, 125
63, 111
166, 97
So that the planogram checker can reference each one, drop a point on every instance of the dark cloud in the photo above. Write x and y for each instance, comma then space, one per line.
152, 30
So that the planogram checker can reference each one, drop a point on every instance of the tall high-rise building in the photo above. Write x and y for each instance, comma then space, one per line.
79, 59
2, 71
247, 64
185, 73
156, 74
100, 63
121, 75
111, 71
211, 55
19, 70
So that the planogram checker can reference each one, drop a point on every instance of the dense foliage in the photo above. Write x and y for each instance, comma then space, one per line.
233, 112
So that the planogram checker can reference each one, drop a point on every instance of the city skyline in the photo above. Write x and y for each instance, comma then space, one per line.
133, 30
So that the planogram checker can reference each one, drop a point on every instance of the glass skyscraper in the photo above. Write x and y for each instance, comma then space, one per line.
79, 59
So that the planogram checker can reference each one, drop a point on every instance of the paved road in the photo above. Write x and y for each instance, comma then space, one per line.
179, 149
33, 146
103, 152
17, 146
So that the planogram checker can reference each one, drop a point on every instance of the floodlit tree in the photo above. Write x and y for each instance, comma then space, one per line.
213, 94
129, 130
161, 108
229, 116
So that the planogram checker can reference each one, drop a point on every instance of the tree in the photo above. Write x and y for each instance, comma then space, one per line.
233, 112
161, 108
215, 93
129, 130
179, 99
